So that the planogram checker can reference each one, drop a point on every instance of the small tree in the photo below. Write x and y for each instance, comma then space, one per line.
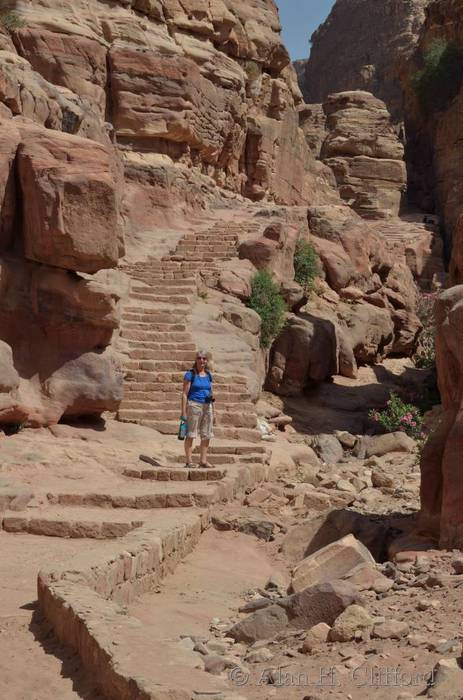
306, 265
425, 355
267, 301
11, 21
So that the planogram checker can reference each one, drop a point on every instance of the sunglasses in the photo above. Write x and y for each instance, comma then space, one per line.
201, 358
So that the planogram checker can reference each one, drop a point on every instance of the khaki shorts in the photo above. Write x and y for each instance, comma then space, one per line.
199, 420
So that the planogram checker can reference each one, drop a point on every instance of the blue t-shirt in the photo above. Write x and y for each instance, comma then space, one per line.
200, 388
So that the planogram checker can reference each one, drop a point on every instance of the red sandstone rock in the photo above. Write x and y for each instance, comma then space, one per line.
70, 201
9, 140
441, 514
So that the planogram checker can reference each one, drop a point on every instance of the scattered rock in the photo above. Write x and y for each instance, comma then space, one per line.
391, 629
321, 603
263, 624
334, 560
259, 656
318, 634
457, 565
353, 618
214, 664
250, 522
328, 448
447, 680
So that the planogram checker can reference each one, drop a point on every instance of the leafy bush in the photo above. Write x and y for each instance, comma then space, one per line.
400, 416
438, 82
11, 21
306, 265
425, 356
267, 301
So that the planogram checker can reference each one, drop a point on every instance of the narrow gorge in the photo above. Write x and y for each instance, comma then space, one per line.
172, 184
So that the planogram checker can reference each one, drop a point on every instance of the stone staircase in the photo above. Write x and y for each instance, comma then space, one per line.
161, 349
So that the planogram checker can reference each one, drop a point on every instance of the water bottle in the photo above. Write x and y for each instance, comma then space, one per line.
183, 428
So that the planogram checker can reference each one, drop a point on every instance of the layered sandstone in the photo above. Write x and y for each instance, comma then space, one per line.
364, 153
362, 46
117, 119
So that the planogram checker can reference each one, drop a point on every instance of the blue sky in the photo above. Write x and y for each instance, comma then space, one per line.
299, 19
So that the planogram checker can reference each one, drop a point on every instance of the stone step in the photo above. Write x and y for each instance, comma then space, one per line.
226, 433
157, 365
137, 411
181, 302
154, 390
171, 398
159, 494
171, 405
150, 345
233, 448
173, 377
225, 459
156, 335
174, 474
59, 521
159, 355
164, 318
164, 288
208, 248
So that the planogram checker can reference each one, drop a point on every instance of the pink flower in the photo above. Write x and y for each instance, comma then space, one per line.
413, 424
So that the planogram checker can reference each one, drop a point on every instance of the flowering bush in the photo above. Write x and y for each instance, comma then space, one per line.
400, 416
425, 355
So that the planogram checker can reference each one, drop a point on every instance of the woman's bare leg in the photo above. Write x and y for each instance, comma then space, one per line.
203, 451
189, 450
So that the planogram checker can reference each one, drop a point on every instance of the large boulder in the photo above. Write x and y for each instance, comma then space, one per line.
63, 367
334, 560
321, 603
70, 201
263, 624
306, 351
441, 514
316, 533
274, 251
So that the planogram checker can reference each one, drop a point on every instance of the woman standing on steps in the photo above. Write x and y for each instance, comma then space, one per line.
197, 408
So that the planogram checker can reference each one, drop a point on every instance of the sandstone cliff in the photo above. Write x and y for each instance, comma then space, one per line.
116, 120
362, 46
434, 98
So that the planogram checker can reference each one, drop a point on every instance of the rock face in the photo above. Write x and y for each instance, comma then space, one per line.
347, 55
114, 119
441, 484
433, 125
364, 153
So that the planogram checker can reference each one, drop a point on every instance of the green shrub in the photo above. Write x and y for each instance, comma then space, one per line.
267, 301
306, 265
425, 356
400, 416
11, 21
438, 82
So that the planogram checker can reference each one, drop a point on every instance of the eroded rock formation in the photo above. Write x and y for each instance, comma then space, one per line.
362, 46
364, 153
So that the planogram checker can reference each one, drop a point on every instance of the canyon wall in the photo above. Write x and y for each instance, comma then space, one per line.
117, 119
362, 45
